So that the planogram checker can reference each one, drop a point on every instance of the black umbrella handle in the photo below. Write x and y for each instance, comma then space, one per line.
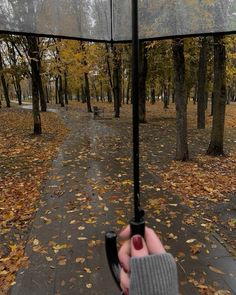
137, 228
112, 256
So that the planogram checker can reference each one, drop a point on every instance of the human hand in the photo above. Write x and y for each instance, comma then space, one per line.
136, 247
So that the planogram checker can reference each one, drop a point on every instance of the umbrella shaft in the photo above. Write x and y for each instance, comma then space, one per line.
135, 95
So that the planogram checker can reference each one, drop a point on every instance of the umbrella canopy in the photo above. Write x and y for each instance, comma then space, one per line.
110, 20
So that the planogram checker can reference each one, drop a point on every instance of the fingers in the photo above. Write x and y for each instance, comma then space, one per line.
124, 281
138, 247
124, 255
125, 233
154, 244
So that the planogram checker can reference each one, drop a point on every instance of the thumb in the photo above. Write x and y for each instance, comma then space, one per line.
138, 247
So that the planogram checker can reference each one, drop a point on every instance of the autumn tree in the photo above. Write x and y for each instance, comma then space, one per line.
142, 82
116, 79
231, 68
202, 83
4, 81
181, 100
18, 69
216, 147
33, 55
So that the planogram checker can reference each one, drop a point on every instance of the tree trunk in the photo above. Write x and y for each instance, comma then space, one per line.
165, 98
96, 92
83, 95
202, 83
78, 95
142, 82
42, 96
128, 89
18, 91
87, 92
109, 67
4, 84
47, 94
116, 82
33, 54
216, 147
66, 87
101, 91
60, 92
153, 95
56, 90
109, 95
181, 101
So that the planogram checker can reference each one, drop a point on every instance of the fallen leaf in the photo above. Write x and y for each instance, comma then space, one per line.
216, 270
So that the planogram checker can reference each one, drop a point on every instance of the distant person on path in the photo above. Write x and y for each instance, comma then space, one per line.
146, 267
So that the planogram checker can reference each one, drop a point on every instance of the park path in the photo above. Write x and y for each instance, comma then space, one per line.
88, 192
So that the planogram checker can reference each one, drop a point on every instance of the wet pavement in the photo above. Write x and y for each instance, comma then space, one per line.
88, 192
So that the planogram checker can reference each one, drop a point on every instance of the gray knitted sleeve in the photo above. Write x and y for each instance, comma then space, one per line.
154, 275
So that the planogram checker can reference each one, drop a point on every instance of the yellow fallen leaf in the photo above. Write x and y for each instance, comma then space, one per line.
89, 286
86, 269
62, 261
120, 222
80, 260
35, 242
82, 238
13, 248
190, 241
216, 270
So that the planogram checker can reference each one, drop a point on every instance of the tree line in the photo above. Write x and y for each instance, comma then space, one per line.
49, 70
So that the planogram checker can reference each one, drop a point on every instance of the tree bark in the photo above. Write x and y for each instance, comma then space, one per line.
128, 88
216, 147
202, 83
109, 95
87, 92
78, 94
18, 91
60, 92
116, 82
108, 66
182, 153
153, 95
33, 54
142, 82
16, 78
42, 96
66, 87
165, 98
101, 91
83, 94
4, 84
56, 90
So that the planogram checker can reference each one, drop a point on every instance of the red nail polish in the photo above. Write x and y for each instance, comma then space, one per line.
126, 292
138, 243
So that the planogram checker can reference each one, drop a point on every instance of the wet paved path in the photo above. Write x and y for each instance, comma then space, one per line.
87, 193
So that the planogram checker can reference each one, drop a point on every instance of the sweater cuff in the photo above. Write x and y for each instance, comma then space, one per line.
154, 275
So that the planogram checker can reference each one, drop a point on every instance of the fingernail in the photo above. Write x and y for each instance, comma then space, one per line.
137, 243
126, 292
